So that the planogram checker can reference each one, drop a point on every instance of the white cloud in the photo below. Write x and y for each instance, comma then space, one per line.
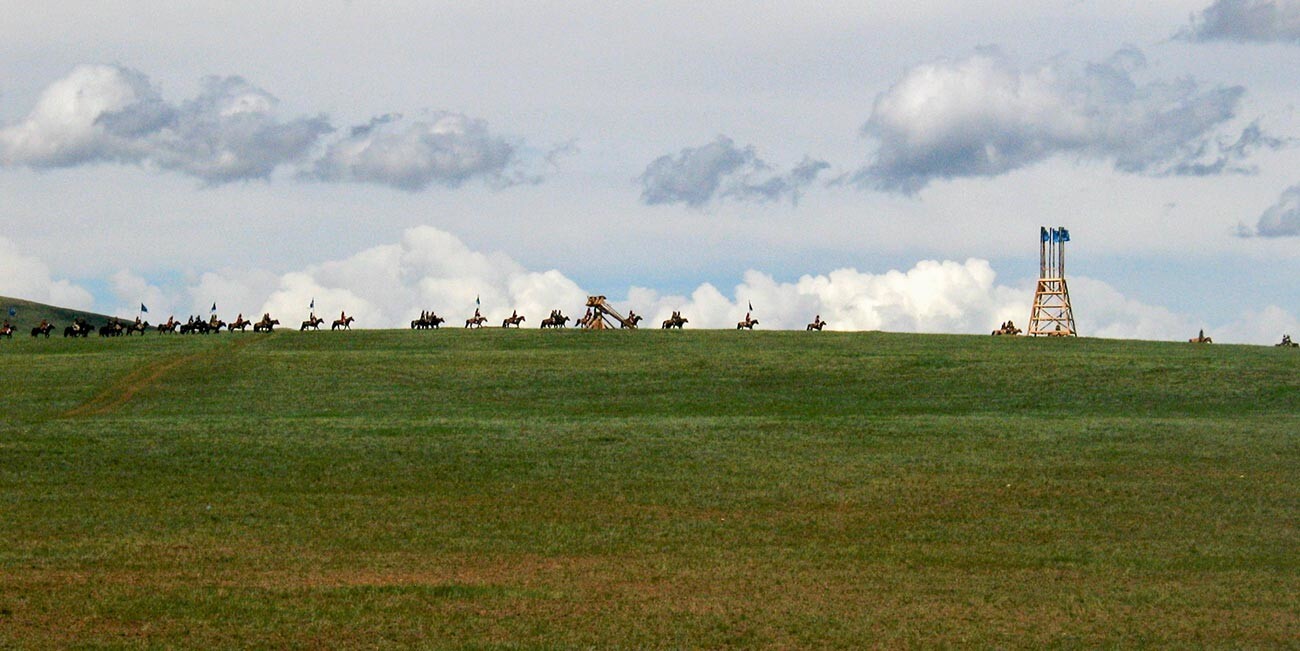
27, 277
720, 169
1282, 219
388, 286
446, 149
133, 291
1259, 21
932, 296
1100, 310
984, 115
100, 113
1264, 326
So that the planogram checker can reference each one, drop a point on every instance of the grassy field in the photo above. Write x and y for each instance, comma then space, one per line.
694, 489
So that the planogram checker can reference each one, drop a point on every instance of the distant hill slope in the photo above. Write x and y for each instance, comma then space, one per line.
29, 313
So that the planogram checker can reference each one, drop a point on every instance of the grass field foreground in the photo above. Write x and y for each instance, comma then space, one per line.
698, 489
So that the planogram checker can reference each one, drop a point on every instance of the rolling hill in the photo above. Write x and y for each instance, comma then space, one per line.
697, 489
27, 314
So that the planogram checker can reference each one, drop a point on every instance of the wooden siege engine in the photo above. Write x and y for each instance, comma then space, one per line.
604, 316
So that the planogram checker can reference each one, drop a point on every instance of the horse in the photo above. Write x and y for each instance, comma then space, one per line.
266, 326
137, 327
167, 328
476, 321
1200, 339
817, 325
556, 320
675, 321
8, 331
1007, 328
1287, 343
313, 323
513, 320
427, 321
79, 328
113, 329
633, 320
240, 323
747, 324
345, 324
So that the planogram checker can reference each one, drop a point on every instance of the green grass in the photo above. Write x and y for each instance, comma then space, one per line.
698, 489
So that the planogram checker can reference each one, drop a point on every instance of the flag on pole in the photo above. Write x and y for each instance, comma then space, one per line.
1044, 229
214, 307
751, 306
143, 309
13, 311
313, 304
476, 301
1065, 235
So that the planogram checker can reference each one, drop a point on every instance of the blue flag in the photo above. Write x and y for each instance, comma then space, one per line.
1065, 235
13, 311
476, 301
214, 307
1044, 229
143, 309
313, 304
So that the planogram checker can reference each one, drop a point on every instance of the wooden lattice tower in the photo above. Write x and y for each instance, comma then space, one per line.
1052, 315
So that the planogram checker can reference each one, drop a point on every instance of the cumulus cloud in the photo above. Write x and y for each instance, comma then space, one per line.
1282, 219
932, 296
984, 115
1257, 21
387, 286
720, 169
1263, 326
133, 290
27, 277
1100, 310
101, 113
445, 149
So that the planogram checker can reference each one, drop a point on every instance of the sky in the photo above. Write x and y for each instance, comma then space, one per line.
885, 165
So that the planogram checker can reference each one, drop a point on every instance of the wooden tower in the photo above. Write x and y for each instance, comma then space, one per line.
1052, 315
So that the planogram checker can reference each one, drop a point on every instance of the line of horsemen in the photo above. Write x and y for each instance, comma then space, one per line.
430, 320
80, 327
